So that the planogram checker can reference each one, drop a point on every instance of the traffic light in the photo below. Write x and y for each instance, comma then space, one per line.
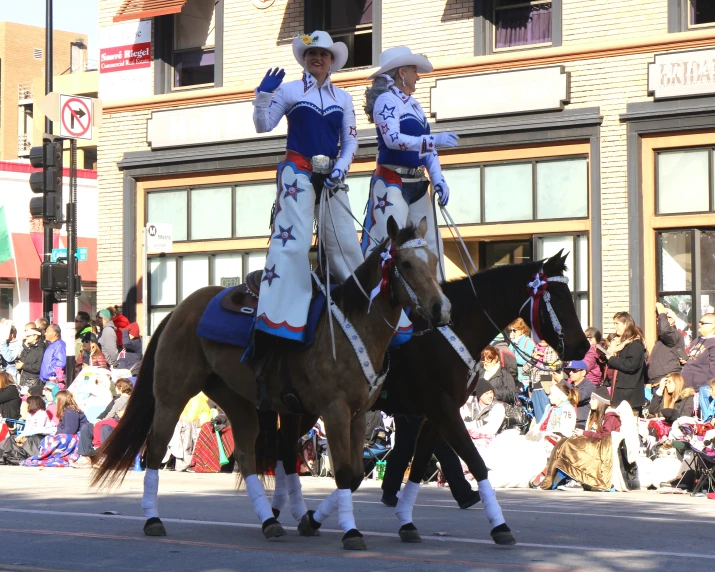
47, 183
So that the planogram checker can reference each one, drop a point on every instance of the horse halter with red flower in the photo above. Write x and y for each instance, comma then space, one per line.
537, 289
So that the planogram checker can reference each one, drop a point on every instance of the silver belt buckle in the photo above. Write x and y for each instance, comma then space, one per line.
320, 164
419, 172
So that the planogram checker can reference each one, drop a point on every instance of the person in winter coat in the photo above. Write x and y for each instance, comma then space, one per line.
120, 321
524, 346
71, 417
108, 337
10, 400
664, 358
593, 358
603, 419
700, 367
10, 347
672, 399
490, 370
94, 349
131, 355
30, 360
627, 358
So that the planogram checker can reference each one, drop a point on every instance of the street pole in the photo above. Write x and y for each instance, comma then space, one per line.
71, 249
48, 298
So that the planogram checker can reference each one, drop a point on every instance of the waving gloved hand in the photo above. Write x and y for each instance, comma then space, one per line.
442, 190
446, 139
271, 81
335, 178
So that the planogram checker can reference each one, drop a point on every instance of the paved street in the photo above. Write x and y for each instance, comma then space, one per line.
51, 520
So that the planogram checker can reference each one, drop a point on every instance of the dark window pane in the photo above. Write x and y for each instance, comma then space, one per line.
343, 15
676, 261
702, 12
522, 26
194, 67
707, 260
501, 253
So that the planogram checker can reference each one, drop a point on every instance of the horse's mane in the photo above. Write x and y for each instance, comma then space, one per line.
348, 296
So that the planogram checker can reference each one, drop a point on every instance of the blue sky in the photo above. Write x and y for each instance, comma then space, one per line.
70, 15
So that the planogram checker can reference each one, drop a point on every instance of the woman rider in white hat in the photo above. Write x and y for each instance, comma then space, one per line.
321, 119
405, 149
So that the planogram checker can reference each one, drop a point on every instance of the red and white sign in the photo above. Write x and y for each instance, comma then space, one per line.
76, 117
124, 58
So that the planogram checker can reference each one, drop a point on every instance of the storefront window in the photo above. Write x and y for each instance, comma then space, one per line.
464, 200
359, 193
508, 192
562, 189
253, 209
683, 184
210, 213
162, 284
227, 269
707, 271
194, 274
676, 251
500, 253
168, 207
522, 23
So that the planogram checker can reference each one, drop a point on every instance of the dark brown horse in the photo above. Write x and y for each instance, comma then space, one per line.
178, 365
427, 377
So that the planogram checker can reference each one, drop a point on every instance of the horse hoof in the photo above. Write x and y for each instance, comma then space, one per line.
502, 535
409, 533
154, 527
308, 525
353, 540
273, 529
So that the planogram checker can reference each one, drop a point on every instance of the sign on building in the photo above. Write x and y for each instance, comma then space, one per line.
682, 74
125, 61
158, 237
500, 93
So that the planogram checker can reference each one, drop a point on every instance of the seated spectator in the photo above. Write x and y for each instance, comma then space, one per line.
108, 337
10, 347
483, 413
700, 367
576, 371
37, 421
131, 355
121, 323
707, 401
668, 348
594, 359
672, 399
82, 327
524, 346
603, 419
30, 360
490, 370
10, 399
55, 356
546, 361
93, 349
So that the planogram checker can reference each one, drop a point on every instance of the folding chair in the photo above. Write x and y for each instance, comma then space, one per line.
15, 426
687, 455
705, 476
375, 450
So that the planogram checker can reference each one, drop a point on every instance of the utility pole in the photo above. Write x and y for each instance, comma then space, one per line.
48, 298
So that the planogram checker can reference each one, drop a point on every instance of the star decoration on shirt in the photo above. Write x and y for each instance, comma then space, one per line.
382, 203
269, 275
384, 128
353, 131
394, 136
403, 147
285, 234
292, 190
387, 112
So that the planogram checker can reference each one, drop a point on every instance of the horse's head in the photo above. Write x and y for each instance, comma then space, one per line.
413, 274
556, 320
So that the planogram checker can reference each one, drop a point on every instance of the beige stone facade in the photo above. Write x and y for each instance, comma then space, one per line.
606, 48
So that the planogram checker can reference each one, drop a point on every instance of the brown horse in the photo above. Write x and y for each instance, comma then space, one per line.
428, 378
178, 365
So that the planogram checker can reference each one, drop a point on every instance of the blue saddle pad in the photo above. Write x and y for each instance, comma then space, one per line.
219, 325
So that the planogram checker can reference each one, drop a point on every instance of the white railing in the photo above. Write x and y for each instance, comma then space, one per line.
24, 91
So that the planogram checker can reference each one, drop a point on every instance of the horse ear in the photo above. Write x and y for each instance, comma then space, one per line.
422, 227
556, 265
393, 228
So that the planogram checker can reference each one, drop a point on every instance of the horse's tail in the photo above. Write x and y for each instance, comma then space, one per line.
266, 449
124, 444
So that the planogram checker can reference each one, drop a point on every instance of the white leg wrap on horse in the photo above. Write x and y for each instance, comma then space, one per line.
257, 494
327, 507
491, 505
295, 493
406, 502
280, 494
346, 518
150, 503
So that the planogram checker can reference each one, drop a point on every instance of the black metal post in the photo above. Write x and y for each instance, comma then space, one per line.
71, 246
48, 298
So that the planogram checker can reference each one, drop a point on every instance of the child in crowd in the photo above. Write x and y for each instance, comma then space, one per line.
37, 423
603, 419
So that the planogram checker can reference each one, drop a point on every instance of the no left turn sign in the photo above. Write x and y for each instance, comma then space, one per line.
76, 117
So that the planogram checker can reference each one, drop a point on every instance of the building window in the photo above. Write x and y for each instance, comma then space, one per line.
6, 301
686, 274
684, 181
522, 23
684, 15
169, 207
348, 21
701, 13
520, 191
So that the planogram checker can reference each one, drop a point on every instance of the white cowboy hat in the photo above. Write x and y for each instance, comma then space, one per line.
399, 57
319, 39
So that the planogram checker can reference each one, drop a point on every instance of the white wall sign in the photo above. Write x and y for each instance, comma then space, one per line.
158, 237
682, 74
217, 123
500, 93
125, 58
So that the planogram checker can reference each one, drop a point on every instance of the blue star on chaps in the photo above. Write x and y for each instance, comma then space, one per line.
382, 203
269, 274
285, 235
292, 190
387, 112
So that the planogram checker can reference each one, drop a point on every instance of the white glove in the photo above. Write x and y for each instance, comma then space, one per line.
446, 139
443, 191
335, 178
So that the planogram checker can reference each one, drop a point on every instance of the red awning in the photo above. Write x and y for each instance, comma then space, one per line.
28, 262
136, 9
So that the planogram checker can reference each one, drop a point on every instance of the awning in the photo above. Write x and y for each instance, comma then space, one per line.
28, 262
136, 9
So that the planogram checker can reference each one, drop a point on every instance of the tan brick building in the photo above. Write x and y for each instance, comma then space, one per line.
22, 77
564, 142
